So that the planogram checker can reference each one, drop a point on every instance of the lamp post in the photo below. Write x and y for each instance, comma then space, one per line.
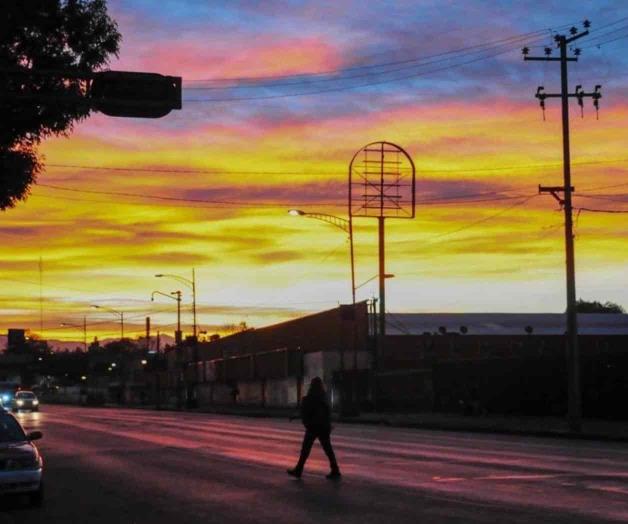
174, 295
115, 312
84, 326
340, 223
192, 285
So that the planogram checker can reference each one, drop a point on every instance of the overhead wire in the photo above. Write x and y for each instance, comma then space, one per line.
609, 211
494, 47
376, 65
433, 240
351, 87
328, 173
380, 69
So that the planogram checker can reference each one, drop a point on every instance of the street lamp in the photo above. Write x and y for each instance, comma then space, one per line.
115, 312
340, 223
192, 285
174, 295
84, 326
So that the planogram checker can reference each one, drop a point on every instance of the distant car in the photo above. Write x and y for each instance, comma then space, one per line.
5, 399
25, 400
21, 465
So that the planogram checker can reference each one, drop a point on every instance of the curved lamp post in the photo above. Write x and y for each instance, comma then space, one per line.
340, 223
84, 326
174, 295
192, 285
115, 312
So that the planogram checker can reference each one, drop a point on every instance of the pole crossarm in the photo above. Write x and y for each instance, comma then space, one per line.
554, 190
547, 59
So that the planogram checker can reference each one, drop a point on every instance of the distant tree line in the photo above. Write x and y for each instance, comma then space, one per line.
584, 306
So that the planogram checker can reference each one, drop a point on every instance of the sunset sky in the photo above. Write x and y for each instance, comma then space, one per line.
277, 98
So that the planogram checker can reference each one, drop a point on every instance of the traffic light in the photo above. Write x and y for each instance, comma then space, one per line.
137, 95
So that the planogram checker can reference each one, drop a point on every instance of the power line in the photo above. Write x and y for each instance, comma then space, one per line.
346, 88
188, 171
170, 199
599, 44
610, 211
605, 197
315, 78
482, 220
445, 200
394, 79
377, 65
471, 197
326, 173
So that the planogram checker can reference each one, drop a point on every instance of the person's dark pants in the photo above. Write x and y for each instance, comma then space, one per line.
324, 437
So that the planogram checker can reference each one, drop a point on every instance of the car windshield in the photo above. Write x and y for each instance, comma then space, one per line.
25, 395
10, 430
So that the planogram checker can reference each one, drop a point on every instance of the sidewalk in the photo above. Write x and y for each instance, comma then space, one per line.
592, 429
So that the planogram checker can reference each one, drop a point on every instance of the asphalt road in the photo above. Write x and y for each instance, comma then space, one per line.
135, 466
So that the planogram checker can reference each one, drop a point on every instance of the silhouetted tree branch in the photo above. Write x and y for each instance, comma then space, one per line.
35, 36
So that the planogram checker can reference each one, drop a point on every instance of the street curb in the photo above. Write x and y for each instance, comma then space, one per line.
384, 421
498, 431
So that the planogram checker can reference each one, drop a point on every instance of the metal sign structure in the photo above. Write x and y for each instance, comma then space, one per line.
382, 184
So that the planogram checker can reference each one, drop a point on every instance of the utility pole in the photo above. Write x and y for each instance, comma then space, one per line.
195, 327
574, 410
178, 336
41, 298
85, 334
382, 286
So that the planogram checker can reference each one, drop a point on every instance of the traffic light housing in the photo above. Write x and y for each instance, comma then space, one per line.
136, 95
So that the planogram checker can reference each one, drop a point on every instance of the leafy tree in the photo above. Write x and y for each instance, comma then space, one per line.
584, 306
38, 36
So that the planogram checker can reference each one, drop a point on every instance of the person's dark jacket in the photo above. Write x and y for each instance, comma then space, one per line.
316, 414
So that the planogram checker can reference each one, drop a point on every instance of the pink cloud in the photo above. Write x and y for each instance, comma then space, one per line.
195, 59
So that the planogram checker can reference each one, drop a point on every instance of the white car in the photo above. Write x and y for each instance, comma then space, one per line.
21, 465
25, 400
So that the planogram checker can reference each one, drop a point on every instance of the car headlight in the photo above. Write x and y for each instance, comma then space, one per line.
20, 402
5, 398
35, 402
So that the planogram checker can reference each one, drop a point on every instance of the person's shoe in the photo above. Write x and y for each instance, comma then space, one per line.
334, 475
294, 472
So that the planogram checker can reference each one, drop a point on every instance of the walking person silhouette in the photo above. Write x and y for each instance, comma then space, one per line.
316, 417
